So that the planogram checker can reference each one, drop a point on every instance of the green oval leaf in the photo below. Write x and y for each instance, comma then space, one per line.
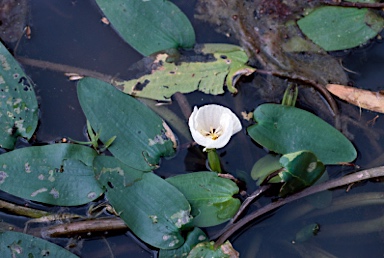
285, 129
193, 238
142, 137
15, 244
338, 28
18, 104
210, 197
57, 174
152, 208
149, 26
301, 169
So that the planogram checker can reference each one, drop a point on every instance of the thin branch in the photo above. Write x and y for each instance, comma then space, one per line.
352, 178
353, 4
250, 199
64, 68
87, 227
22, 211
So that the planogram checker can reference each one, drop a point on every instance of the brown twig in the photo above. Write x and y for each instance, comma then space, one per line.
64, 68
22, 211
86, 227
352, 178
248, 201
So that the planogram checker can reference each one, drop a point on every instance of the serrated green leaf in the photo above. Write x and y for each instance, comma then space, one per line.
190, 74
18, 104
142, 137
301, 169
210, 197
57, 174
151, 207
149, 26
338, 28
284, 129
15, 244
193, 238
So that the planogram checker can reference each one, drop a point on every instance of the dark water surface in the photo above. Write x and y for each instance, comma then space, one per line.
70, 32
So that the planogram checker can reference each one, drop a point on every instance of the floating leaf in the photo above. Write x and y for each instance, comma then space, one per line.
57, 174
210, 197
149, 26
264, 167
142, 137
362, 98
285, 129
193, 238
301, 169
338, 28
307, 232
18, 104
151, 207
15, 244
223, 63
208, 249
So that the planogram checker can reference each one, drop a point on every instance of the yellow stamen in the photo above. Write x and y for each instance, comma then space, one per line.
213, 133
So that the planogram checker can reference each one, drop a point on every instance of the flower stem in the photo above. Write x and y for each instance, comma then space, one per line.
290, 95
214, 160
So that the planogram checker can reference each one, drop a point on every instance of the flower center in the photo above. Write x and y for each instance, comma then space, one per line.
213, 133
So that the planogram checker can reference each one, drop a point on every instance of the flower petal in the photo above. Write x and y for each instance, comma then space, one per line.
225, 137
209, 120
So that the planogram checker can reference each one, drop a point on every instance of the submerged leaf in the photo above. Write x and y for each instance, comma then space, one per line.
307, 232
15, 244
18, 104
362, 98
151, 207
149, 26
210, 197
219, 63
142, 137
57, 174
338, 28
285, 129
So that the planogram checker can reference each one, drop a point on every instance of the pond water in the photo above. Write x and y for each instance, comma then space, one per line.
71, 33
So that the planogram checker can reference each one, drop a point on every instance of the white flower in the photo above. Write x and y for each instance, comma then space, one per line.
213, 125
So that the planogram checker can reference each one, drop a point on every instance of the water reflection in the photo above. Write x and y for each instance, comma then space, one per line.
71, 33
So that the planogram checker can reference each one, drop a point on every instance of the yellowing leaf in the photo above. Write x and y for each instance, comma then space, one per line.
366, 99
213, 66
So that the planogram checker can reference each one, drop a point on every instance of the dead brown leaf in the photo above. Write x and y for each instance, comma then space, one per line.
366, 99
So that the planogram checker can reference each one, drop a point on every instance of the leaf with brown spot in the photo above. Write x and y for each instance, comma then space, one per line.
213, 66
